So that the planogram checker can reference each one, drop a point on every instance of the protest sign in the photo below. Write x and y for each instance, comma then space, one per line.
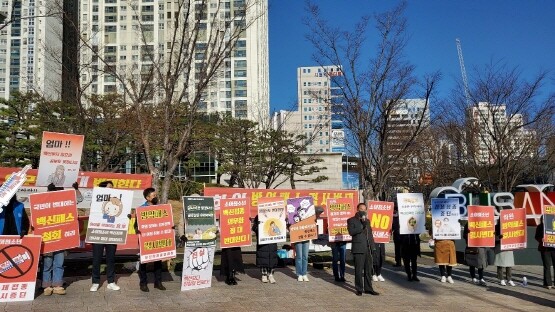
380, 214
445, 218
301, 216
412, 217
339, 211
12, 184
131, 245
481, 226
513, 229
234, 223
320, 197
60, 157
549, 226
200, 224
54, 217
271, 221
108, 221
157, 238
198, 263
19, 260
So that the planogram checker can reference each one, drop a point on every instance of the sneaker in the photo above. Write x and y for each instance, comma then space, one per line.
300, 278
113, 286
483, 283
305, 278
264, 278
59, 290
512, 283
374, 278
475, 281
503, 283
380, 278
271, 279
450, 280
443, 279
94, 287
48, 291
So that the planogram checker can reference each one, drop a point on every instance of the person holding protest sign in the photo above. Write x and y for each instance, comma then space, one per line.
232, 262
14, 219
410, 250
503, 259
378, 258
151, 199
338, 250
445, 256
548, 256
362, 248
475, 257
266, 256
98, 251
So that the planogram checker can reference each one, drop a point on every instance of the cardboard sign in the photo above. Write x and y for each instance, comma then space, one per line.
513, 229
271, 221
412, 216
301, 215
60, 158
54, 217
381, 218
234, 223
19, 260
108, 221
445, 218
198, 263
200, 224
339, 211
157, 238
481, 226
549, 226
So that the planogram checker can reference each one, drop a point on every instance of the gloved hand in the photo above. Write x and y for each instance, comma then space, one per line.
183, 239
75, 185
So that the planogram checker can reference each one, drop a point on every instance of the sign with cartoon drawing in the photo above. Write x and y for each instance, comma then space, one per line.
108, 219
60, 158
412, 217
198, 263
271, 221
19, 260
301, 216
200, 222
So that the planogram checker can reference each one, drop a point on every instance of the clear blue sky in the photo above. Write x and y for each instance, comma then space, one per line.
521, 33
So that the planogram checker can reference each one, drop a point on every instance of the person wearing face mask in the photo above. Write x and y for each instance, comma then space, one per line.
151, 200
362, 248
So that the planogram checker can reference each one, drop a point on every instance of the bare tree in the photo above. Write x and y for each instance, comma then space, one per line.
373, 88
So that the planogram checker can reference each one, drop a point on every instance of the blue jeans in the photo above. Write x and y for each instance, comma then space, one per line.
53, 269
301, 257
338, 259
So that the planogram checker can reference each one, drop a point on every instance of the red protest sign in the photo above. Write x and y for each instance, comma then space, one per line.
381, 218
54, 217
481, 226
19, 259
339, 211
234, 223
549, 226
157, 238
513, 229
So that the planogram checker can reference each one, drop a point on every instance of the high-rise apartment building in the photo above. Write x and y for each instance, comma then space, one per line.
30, 44
122, 31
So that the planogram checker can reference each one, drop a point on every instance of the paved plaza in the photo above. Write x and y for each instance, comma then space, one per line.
322, 293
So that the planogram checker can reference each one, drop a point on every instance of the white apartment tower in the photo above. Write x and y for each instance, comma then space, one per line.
241, 87
30, 49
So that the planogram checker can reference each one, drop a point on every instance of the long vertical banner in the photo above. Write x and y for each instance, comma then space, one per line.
60, 158
339, 211
19, 260
108, 221
412, 217
198, 263
381, 219
13, 182
234, 223
549, 226
481, 226
200, 223
157, 238
301, 216
513, 229
271, 221
445, 218
54, 217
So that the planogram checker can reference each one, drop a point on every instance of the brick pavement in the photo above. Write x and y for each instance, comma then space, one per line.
320, 294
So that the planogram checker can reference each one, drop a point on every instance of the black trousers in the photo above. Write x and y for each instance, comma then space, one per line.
98, 251
143, 280
363, 271
548, 260
397, 252
409, 260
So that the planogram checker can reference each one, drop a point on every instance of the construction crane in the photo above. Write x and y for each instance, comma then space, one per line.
463, 72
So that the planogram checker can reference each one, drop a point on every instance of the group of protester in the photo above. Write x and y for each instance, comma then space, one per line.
368, 256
